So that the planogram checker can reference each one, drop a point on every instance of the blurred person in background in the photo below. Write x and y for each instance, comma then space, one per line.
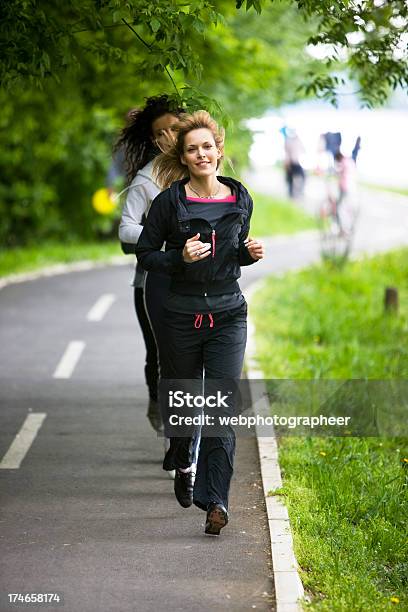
295, 174
345, 168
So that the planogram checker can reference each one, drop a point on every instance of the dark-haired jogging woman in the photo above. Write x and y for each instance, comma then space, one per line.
204, 221
147, 133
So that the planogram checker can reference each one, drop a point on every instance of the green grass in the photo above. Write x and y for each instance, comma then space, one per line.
273, 216
330, 323
25, 259
347, 497
347, 503
398, 190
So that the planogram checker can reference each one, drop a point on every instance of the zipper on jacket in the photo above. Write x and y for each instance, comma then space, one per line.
212, 252
213, 237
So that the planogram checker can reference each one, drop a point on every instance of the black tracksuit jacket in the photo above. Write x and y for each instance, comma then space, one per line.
170, 220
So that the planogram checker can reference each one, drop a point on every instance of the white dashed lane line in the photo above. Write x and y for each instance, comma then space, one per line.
29, 430
101, 307
22, 442
69, 359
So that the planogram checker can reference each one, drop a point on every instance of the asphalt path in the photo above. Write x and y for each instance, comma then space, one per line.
90, 514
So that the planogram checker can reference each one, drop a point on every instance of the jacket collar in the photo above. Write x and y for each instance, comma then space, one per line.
178, 199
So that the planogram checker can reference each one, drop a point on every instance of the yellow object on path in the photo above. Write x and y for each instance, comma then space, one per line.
103, 202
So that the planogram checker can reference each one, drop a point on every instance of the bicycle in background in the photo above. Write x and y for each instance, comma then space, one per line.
338, 212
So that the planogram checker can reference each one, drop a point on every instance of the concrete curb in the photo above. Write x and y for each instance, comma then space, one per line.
76, 266
288, 586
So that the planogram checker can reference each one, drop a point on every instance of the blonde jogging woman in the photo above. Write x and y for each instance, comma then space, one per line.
204, 220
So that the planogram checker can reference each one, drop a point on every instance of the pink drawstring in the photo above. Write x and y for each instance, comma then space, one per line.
199, 319
213, 243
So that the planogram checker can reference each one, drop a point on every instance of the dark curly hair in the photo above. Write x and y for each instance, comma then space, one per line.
135, 139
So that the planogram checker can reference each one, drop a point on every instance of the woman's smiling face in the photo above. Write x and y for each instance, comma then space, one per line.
200, 154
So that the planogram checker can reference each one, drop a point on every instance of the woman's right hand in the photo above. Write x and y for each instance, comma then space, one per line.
194, 249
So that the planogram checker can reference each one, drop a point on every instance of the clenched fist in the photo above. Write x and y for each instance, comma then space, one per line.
255, 247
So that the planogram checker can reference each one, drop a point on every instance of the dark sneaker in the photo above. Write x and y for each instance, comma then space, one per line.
217, 518
183, 487
154, 416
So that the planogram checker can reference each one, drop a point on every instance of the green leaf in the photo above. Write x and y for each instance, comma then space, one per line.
155, 25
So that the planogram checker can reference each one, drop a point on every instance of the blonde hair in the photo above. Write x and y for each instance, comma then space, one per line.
167, 167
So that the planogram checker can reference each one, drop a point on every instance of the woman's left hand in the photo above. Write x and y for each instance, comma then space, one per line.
256, 248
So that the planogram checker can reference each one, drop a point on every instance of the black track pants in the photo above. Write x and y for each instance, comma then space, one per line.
151, 365
217, 346
156, 288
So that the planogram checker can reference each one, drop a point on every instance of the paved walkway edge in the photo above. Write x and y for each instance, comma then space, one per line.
75, 266
288, 585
